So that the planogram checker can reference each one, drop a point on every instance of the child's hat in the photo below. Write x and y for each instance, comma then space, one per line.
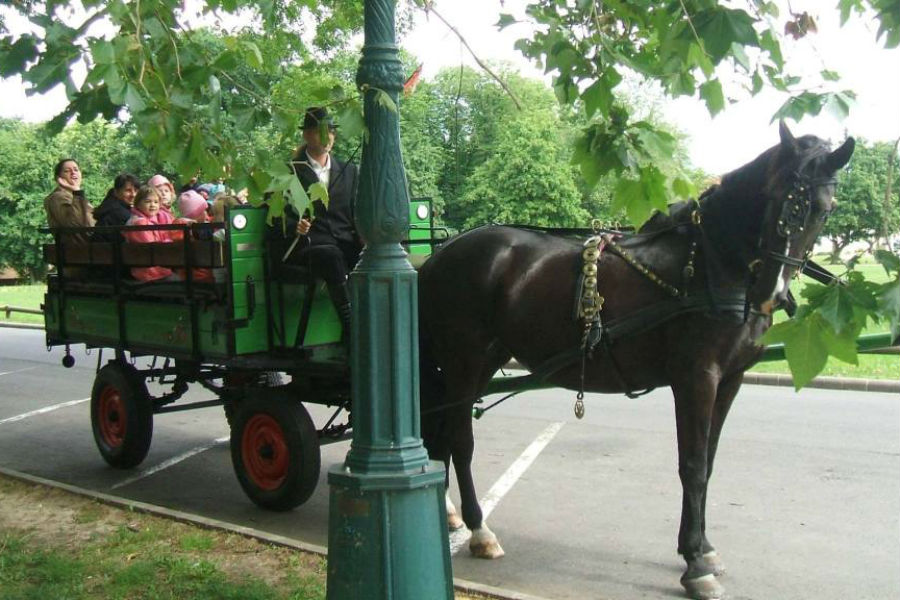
191, 205
158, 180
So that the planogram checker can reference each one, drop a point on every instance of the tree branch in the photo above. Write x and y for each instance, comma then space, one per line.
428, 8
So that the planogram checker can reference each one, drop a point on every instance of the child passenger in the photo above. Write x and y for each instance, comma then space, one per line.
166, 196
146, 211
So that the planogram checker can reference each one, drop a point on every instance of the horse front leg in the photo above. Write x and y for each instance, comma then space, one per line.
725, 395
694, 406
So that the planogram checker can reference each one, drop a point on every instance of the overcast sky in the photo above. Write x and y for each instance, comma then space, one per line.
742, 131
718, 144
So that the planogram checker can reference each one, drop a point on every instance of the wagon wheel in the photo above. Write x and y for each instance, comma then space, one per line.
121, 415
275, 450
233, 393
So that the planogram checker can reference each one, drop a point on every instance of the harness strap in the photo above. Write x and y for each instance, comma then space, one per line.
819, 273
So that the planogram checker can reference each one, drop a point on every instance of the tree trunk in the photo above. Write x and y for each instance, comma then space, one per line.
885, 233
836, 248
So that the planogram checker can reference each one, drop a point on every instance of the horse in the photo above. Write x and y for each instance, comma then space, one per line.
682, 302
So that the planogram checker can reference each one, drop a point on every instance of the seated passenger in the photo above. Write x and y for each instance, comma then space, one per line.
66, 205
166, 196
192, 207
146, 212
115, 210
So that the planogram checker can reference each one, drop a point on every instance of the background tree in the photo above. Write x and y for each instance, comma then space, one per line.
27, 156
527, 179
862, 212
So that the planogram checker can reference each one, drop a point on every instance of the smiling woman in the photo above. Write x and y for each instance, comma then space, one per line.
66, 205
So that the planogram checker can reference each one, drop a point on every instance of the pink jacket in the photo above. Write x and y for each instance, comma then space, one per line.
147, 237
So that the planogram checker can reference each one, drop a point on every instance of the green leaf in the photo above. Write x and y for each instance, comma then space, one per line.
350, 121
889, 305
829, 75
133, 99
769, 43
740, 57
181, 98
711, 92
839, 103
318, 193
805, 350
756, 83
505, 21
889, 260
384, 100
104, 52
296, 196
14, 57
252, 54
841, 346
597, 97
836, 307
721, 27
683, 188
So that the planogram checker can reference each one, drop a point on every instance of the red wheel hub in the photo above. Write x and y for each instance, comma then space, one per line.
265, 452
111, 416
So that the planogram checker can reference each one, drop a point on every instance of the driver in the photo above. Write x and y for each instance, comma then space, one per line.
326, 240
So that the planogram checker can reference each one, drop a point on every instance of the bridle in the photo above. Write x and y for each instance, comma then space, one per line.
792, 221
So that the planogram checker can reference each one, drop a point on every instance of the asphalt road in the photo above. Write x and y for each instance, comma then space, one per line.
805, 501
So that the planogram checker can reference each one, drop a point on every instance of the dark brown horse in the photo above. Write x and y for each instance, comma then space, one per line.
684, 303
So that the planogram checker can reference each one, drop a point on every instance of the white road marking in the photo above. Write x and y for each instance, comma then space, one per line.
41, 411
17, 371
170, 462
502, 486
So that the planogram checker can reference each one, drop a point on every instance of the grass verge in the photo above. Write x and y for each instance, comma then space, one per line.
54, 544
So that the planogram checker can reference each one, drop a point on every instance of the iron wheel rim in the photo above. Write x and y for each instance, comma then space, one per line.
112, 416
265, 453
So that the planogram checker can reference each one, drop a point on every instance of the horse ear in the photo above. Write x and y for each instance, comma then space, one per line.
840, 157
787, 138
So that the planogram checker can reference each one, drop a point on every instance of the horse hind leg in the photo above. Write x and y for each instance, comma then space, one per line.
454, 521
483, 543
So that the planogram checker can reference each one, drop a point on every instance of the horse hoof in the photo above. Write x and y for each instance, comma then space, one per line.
486, 550
714, 562
454, 522
484, 544
705, 587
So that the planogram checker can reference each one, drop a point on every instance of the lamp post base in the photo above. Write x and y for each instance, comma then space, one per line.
387, 536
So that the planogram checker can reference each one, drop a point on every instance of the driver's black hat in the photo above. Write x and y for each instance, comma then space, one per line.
315, 115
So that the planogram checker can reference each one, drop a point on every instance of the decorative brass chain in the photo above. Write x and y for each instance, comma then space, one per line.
687, 272
590, 303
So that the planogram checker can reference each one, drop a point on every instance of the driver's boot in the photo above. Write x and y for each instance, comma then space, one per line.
340, 297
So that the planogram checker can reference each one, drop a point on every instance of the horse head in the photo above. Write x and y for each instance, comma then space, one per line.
799, 195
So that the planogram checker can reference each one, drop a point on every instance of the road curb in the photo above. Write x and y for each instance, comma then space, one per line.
827, 383
460, 585
20, 325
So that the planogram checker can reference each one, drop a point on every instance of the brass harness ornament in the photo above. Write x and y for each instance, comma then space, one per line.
590, 302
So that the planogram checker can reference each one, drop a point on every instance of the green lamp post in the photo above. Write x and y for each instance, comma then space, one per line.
387, 529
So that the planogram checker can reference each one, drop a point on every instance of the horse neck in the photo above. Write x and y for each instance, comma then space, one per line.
732, 222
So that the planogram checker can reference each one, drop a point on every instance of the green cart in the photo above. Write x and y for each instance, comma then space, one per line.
263, 337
